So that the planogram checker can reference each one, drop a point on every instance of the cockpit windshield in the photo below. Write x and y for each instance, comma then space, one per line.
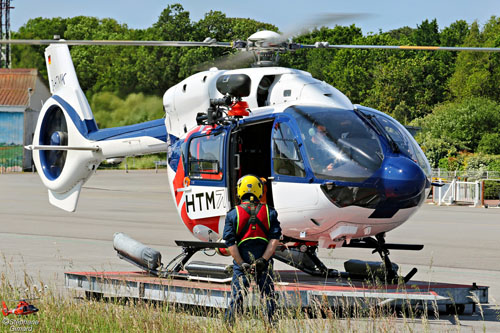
401, 137
339, 145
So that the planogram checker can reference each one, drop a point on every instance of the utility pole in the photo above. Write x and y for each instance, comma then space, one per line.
5, 58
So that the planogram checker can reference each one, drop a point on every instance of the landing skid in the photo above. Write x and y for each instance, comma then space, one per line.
301, 256
305, 259
379, 245
189, 248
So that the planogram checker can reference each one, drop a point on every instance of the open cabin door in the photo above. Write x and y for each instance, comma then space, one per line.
206, 195
250, 153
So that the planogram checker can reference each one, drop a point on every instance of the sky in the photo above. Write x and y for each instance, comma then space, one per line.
287, 15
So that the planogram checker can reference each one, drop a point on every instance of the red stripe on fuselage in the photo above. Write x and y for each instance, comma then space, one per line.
178, 182
209, 222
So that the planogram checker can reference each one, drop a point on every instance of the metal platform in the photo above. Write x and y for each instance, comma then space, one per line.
294, 288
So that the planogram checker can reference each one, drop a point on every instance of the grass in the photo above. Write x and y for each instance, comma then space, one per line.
63, 311
11, 156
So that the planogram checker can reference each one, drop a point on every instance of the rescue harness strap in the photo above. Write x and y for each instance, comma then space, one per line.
252, 210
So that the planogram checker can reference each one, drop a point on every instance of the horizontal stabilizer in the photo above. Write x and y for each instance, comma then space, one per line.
68, 200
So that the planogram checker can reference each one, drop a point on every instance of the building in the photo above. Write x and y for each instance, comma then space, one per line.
22, 94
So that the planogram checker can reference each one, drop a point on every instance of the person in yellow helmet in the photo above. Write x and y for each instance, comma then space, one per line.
252, 232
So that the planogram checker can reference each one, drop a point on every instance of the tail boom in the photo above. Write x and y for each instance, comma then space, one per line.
68, 147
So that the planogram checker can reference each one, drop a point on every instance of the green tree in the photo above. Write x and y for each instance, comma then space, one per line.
26, 56
399, 33
455, 34
407, 88
316, 61
477, 73
427, 33
352, 71
489, 144
459, 126
96, 65
111, 111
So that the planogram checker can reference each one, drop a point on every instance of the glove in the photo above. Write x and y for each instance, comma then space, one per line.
246, 268
260, 265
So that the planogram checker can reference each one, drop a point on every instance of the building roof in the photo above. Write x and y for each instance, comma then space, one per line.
14, 84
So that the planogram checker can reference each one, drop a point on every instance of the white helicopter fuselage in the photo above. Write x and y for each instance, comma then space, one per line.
380, 182
305, 212
290, 86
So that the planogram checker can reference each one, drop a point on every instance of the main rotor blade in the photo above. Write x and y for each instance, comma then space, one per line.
319, 21
113, 42
234, 60
401, 47
229, 44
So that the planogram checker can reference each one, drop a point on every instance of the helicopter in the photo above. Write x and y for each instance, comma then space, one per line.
338, 174
23, 308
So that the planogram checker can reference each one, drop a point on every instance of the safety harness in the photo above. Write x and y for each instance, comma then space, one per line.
253, 222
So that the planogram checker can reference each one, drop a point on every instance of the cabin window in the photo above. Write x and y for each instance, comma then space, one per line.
286, 155
205, 156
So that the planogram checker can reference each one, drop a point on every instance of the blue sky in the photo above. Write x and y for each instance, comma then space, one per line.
384, 14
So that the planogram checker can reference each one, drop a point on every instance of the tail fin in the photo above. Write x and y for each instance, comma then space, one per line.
64, 82
5, 310
68, 143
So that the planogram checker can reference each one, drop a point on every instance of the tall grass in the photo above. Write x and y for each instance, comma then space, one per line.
61, 310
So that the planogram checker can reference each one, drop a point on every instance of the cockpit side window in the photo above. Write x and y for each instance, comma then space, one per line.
205, 156
287, 160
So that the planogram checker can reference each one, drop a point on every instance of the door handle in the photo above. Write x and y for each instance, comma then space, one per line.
237, 166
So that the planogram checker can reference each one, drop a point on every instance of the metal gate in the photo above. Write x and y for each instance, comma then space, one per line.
459, 192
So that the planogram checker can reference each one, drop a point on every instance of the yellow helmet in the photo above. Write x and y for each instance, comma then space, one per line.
249, 184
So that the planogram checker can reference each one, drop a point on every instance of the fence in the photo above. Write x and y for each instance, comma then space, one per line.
465, 175
459, 192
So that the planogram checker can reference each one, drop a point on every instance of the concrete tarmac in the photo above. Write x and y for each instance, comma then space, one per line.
462, 244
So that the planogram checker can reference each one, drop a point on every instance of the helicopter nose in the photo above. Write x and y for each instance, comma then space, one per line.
402, 178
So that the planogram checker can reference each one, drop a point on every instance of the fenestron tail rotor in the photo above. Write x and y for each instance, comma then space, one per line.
53, 132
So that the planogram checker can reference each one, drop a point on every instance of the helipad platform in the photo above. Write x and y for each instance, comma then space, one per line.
294, 288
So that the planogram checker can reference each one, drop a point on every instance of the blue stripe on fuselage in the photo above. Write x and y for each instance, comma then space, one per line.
88, 127
154, 128
174, 152
75, 118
